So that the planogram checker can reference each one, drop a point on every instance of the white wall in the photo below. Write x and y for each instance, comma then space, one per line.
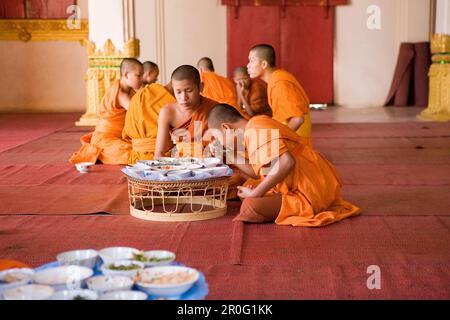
365, 59
443, 16
192, 29
43, 76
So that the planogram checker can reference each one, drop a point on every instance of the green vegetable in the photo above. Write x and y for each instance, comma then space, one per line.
124, 268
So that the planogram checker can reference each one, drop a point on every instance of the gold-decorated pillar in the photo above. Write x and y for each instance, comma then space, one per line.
111, 27
439, 75
439, 97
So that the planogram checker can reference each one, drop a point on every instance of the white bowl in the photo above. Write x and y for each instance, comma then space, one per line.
112, 254
86, 258
64, 277
179, 174
211, 162
107, 268
103, 284
83, 167
124, 295
13, 278
29, 292
166, 281
157, 258
75, 295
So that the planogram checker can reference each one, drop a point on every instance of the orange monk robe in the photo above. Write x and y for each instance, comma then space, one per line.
311, 193
218, 88
196, 146
106, 143
11, 264
288, 99
257, 98
141, 121
196, 126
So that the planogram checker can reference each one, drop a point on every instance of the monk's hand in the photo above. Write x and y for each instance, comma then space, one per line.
245, 192
179, 135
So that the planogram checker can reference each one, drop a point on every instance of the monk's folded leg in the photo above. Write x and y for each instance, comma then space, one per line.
259, 210
114, 150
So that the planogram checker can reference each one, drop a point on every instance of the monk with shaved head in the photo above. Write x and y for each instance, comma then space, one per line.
299, 187
251, 93
151, 72
176, 122
287, 98
183, 124
216, 87
105, 144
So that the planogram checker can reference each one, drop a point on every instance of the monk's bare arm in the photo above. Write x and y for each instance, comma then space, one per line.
247, 169
278, 173
295, 123
246, 105
124, 100
163, 135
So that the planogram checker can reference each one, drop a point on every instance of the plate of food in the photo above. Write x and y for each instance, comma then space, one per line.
13, 278
155, 257
169, 282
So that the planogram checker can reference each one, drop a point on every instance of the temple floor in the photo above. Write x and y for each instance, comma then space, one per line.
394, 167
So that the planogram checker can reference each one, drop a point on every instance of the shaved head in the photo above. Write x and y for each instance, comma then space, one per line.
241, 70
223, 113
205, 63
265, 52
149, 66
186, 72
129, 64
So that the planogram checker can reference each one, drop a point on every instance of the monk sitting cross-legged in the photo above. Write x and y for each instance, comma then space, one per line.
287, 98
184, 123
177, 121
141, 122
252, 94
299, 187
105, 143
216, 87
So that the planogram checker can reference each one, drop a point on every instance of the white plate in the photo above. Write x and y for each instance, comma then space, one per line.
75, 295
103, 284
23, 275
64, 277
158, 258
112, 254
29, 292
150, 281
124, 295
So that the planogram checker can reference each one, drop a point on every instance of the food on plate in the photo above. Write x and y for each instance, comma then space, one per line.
175, 277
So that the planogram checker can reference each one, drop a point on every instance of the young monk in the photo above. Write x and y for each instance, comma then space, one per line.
299, 186
151, 72
177, 120
288, 100
141, 121
184, 123
251, 94
105, 143
216, 87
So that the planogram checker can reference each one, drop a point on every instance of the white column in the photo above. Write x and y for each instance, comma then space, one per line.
107, 21
443, 17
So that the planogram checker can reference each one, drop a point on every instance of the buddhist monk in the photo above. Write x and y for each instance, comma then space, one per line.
176, 122
287, 99
105, 144
251, 94
141, 121
151, 72
184, 123
216, 87
299, 186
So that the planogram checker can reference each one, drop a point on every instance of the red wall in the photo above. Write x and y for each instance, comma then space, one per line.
35, 9
301, 35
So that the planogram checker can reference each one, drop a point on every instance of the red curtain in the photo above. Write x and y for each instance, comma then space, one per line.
35, 9
302, 36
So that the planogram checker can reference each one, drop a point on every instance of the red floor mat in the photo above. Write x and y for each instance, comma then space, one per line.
276, 262
17, 129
